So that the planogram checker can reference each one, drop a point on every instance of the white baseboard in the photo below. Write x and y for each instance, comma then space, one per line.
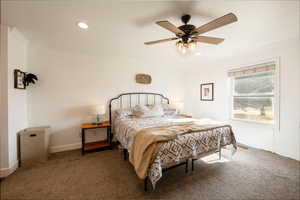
67, 147
4, 172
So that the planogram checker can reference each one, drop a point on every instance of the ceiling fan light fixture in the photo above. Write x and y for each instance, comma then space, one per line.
179, 44
192, 44
83, 25
183, 47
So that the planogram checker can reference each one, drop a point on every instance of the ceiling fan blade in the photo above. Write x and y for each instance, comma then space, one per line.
159, 41
222, 21
170, 27
210, 40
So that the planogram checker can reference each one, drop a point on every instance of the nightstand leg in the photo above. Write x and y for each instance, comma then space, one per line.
82, 141
109, 136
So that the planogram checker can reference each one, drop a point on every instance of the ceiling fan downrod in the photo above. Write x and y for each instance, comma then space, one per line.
186, 28
185, 18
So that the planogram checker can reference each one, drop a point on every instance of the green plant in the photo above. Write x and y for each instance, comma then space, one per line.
30, 78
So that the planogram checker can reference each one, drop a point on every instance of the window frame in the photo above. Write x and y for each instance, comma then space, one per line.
276, 98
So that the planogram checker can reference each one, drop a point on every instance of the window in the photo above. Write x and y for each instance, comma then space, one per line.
253, 93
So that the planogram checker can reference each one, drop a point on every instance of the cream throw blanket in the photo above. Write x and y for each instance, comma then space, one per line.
148, 141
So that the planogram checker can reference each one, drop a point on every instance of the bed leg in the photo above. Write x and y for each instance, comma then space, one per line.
145, 184
125, 153
193, 164
187, 166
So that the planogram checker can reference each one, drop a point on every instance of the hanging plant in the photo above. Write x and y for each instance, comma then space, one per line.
30, 78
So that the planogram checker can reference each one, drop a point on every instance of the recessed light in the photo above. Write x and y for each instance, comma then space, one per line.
82, 25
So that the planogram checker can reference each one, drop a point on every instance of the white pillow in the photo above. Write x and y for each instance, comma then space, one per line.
140, 110
148, 111
124, 112
169, 110
156, 110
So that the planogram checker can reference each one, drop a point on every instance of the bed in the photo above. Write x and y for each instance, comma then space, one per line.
201, 136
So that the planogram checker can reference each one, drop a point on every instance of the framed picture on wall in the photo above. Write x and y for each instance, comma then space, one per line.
207, 92
19, 79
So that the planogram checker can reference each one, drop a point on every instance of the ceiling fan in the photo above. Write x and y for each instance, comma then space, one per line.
189, 35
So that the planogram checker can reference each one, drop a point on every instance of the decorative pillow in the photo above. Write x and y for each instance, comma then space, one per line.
156, 110
124, 112
148, 111
169, 110
140, 110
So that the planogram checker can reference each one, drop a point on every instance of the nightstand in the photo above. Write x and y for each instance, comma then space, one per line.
104, 144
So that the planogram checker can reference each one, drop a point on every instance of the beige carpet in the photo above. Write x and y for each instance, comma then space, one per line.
252, 174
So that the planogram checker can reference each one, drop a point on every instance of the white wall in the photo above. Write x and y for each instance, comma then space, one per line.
71, 83
13, 102
4, 159
17, 99
285, 141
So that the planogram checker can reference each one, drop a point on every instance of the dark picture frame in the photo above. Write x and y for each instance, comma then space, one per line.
19, 79
207, 92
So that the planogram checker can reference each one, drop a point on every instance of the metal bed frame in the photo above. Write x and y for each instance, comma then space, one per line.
162, 100
130, 94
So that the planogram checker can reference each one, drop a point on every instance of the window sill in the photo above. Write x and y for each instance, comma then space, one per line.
271, 124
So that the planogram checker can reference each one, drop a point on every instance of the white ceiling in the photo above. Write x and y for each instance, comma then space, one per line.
119, 28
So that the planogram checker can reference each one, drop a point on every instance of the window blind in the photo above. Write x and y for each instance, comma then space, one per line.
245, 71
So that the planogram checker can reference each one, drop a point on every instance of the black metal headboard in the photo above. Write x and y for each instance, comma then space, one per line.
140, 97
